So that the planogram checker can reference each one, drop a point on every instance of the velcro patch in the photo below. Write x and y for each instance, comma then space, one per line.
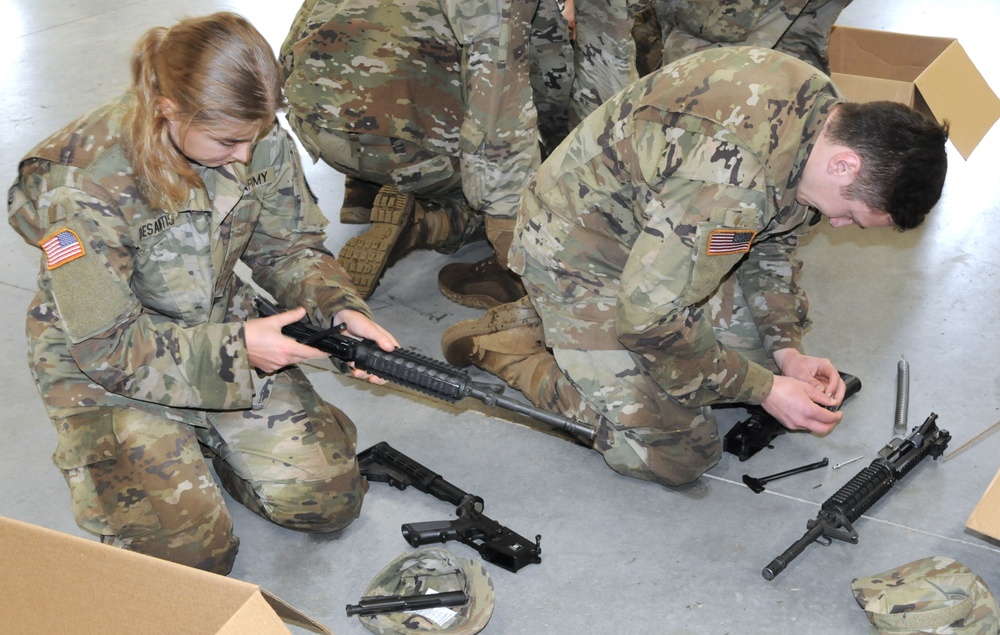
61, 247
722, 242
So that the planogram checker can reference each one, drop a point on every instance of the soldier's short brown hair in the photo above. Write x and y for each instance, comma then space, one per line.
903, 158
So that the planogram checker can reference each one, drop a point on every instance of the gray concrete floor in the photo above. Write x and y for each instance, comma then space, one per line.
619, 556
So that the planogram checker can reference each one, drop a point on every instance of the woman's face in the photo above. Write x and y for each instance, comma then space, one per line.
215, 146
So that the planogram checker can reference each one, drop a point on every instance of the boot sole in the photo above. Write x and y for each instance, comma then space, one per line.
472, 301
366, 256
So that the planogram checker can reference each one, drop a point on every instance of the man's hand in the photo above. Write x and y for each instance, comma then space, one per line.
800, 396
569, 14
269, 350
795, 404
816, 371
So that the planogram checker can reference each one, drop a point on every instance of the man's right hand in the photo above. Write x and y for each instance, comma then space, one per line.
801, 406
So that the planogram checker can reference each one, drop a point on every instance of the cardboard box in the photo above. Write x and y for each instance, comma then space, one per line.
985, 517
932, 74
56, 583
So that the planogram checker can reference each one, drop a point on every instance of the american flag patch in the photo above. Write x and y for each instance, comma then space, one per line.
61, 247
730, 241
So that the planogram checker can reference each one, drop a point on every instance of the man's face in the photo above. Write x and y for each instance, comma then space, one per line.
824, 181
842, 211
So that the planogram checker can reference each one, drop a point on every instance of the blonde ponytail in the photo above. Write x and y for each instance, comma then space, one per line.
162, 173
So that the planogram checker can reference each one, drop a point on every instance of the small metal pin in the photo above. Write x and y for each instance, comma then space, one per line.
840, 465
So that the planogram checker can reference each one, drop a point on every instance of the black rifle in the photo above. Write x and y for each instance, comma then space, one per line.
497, 544
837, 514
376, 605
756, 432
416, 371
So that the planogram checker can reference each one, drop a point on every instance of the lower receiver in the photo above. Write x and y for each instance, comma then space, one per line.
497, 544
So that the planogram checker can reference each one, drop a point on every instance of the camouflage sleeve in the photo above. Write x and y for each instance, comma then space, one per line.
287, 252
700, 226
499, 137
110, 337
300, 26
724, 21
778, 305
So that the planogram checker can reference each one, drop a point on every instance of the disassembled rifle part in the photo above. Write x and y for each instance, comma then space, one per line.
899, 425
837, 515
495, 543
757, 484
840, 465
756, 432
378, 605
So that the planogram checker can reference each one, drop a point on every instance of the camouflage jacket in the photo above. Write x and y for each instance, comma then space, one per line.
797, 27
451, 77
138, 306
681, 180
372, 70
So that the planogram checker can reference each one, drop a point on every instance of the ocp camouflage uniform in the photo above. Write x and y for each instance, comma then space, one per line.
604, 53
551, 54
657, 246
432, 96
932, 595
136, 342
798, 27
577, 79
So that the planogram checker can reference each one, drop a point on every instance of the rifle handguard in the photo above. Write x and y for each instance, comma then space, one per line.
416, 371
837, 515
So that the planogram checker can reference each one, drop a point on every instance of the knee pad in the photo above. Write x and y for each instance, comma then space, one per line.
313, 506
667, 457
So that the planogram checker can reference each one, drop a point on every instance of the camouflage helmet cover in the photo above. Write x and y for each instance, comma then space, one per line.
933, 595
428, 570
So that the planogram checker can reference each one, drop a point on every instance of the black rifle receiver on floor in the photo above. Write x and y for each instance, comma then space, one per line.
753, 434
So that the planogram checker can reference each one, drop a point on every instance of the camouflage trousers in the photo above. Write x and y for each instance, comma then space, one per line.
604, 54
642, 431
435, 180
499, 134
149, 488
570, 79
551, 53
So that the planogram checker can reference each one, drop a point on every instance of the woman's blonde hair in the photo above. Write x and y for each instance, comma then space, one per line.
216, 69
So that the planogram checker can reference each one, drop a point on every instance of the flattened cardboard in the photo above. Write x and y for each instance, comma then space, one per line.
985, 517
57, 583
932, 74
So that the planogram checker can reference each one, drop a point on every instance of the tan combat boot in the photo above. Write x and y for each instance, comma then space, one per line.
508, 341
487, 283
359, 198
518, 318
399, 225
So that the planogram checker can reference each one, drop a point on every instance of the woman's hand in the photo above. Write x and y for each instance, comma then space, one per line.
359, 325
269, 349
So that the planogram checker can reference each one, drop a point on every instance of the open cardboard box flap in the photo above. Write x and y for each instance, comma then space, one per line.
985, 517
932, 74
57, 583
